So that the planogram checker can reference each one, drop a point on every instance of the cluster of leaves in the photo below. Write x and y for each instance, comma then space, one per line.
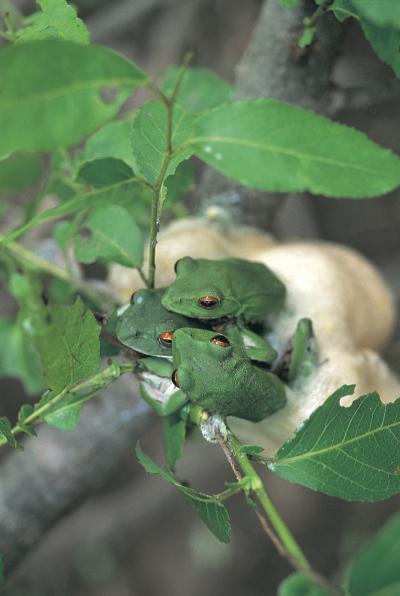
106, 177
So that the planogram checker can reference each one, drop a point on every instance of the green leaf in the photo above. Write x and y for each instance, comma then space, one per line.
56, 19
5, 432
181, 182
380, 22
385, 13
115, 236
375, 570
273, 146
386, 43
174, 433
69, 345
19, 172
200, 89
342, 9
211, 511
112, 140
67, 90
307, 37
300, 584
18, 357
2, 579
25, 428
251, 449
149, 139
65, 414
352, 453
104, 172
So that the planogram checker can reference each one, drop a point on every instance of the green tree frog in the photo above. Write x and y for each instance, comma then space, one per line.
234, 288
147, 327
304, 352
215, 372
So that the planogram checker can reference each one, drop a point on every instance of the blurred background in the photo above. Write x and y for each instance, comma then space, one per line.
133, 535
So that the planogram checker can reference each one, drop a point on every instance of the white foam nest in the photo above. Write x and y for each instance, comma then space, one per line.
351, 307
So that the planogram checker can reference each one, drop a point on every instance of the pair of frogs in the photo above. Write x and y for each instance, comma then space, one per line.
196, 334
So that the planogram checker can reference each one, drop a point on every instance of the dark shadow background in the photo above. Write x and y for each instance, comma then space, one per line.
136, 537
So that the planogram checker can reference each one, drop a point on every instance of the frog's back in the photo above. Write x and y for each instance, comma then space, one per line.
260, 291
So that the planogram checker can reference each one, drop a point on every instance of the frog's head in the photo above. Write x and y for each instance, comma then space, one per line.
198, 291
147, 327
199, 353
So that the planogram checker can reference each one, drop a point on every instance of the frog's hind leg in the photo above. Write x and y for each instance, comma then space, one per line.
303, 352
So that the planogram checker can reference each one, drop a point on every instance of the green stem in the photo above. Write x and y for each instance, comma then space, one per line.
80, 201
322, 8
228, 493
157, 190
282, 531
10, 27
94, 384
272, 523
25, 256
143, 277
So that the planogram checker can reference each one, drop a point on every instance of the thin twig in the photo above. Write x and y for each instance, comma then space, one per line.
156, 202
230, 457
322, 8
143, 277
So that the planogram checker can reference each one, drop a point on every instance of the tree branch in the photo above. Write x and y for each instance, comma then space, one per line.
58, 470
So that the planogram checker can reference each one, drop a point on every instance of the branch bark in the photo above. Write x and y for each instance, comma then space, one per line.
58, 470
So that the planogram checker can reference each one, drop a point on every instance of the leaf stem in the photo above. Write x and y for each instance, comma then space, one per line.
143, 277
258, 488
322, 8
25, 256
268, 515
158, 187
80, 201
94, 384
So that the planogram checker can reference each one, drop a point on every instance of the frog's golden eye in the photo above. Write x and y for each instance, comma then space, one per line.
209, 302
174, 378
132, 299
165, 339
220, 340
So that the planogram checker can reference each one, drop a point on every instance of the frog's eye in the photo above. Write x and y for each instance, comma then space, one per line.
185, 265
176, 265
208, 302
220, 340
165, 339
132, 298
174, 378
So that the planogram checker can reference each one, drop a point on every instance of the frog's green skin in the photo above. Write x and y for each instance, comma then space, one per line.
304, 352
141, 324
223, 380
245, 290
257, 348
157, 389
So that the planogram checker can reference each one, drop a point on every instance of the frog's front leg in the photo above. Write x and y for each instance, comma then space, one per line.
157, 389
257, 347
301, 355
304, 352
